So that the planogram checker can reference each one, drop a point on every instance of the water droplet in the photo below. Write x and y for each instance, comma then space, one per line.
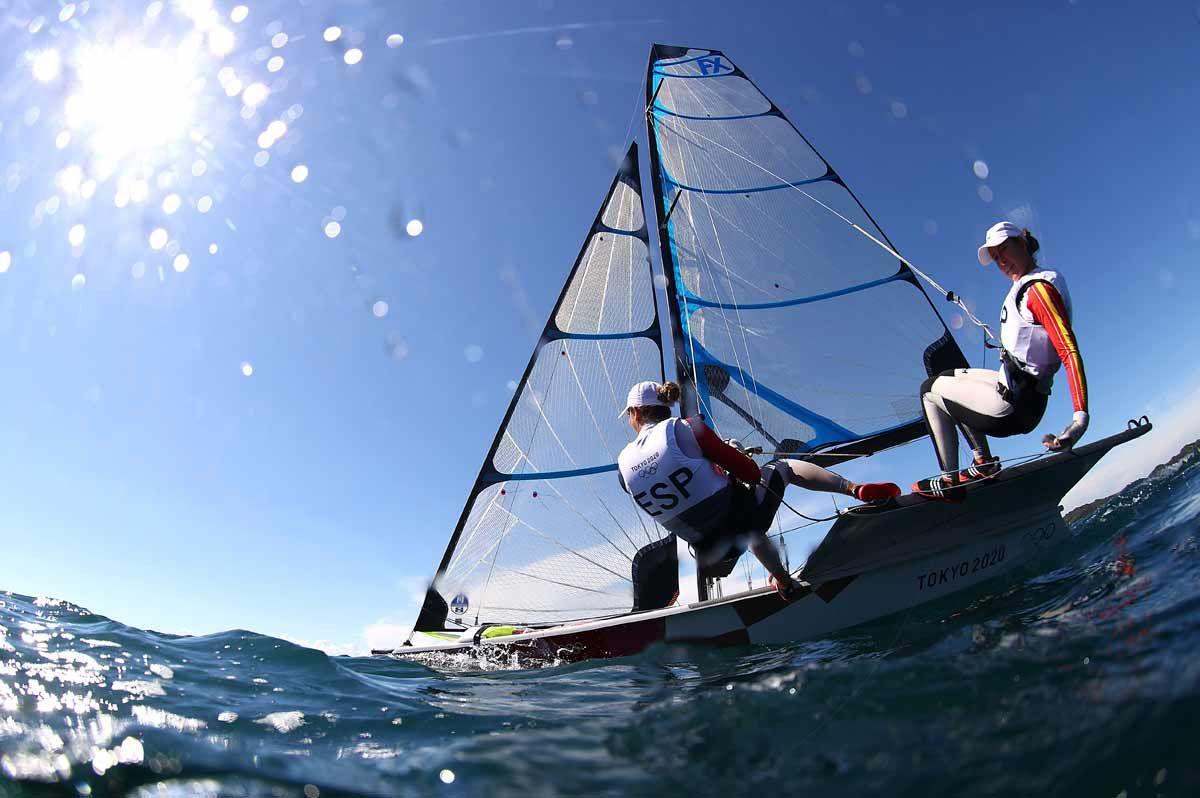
985, 193
275, 63
856, 49
511, 385
414, 227
332, 229
199, 167
728, 687
379, 309
863, 84
353, 56
332, 33
338, 213
299, 173
181, 262
397, 347
212, 248
76, 235
171, 203
62, 139
78, 281
395, 40
46, 65
899, 109
261, 158
980, 168
255, 94
446, 775
473, 353
247, 369
138, 270
279, 40
238, 14
5, 261
158, 238
564, 42
221, 41
204, 204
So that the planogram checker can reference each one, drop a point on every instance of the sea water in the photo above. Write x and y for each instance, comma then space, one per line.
1077, 675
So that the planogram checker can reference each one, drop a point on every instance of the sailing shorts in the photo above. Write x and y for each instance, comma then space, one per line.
753, 509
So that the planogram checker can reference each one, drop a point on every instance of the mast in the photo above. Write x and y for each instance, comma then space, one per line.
663, 208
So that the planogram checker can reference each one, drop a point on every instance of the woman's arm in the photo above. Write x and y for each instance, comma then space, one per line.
721, 453
1046, 305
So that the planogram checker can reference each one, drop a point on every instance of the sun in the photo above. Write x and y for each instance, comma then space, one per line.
132, 99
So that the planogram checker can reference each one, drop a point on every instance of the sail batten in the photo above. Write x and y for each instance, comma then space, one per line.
547, 533
793, 327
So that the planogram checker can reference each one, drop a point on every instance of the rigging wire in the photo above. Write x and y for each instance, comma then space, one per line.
949, 296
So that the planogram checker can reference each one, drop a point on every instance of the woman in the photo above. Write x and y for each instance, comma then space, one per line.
709, 493
1035, 330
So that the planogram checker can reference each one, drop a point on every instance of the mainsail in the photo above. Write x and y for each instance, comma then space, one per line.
547, 534
792, 330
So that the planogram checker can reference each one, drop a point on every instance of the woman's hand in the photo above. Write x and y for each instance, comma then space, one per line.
1067, 438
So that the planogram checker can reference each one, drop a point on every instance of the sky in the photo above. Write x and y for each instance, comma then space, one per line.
267, 272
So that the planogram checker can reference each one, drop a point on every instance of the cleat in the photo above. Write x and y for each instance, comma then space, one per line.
940, 488
871, 492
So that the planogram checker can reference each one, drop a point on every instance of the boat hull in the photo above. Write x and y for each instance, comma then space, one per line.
872, 564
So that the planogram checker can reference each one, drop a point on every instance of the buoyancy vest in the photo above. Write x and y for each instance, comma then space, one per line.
689, 496
1029, 357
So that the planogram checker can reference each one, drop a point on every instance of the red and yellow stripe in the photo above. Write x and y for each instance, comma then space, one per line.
1046, 305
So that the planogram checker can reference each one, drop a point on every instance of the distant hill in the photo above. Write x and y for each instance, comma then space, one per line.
1185, 456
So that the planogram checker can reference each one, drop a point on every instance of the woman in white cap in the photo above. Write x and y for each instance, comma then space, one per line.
706, 491
1035, 330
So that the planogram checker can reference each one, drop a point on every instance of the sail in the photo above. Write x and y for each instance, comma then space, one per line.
792, 330
547, 533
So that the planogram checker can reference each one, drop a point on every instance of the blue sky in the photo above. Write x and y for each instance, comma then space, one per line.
146, 476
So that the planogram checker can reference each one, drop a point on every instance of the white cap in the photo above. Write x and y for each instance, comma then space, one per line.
997, 234
644, 394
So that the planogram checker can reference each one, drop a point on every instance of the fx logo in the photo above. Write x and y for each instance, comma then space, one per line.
713, 66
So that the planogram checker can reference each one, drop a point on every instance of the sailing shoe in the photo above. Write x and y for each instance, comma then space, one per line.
941, 488
876, 491
788, 591
980, 469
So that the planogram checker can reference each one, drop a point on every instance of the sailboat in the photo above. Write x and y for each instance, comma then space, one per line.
795, 327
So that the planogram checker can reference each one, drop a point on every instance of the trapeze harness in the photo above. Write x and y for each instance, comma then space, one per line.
1037, 340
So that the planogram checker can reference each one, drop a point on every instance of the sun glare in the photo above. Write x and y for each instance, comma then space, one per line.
133, 99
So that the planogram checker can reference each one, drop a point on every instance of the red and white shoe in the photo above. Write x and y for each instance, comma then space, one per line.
787, 591
943, 487
871, 492
980, 469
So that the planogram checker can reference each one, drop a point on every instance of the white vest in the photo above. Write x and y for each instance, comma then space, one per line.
687, 495
1026, 341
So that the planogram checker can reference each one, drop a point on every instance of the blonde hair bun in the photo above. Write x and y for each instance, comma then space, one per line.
668, 393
